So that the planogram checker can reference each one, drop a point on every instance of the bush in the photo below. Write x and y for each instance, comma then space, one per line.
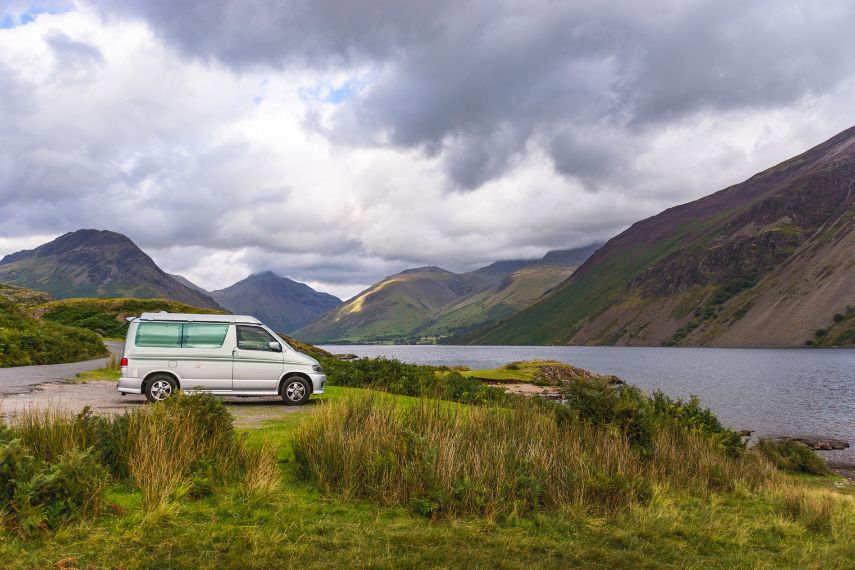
397, 377
793, 456
37, 494
167, 442
639, 417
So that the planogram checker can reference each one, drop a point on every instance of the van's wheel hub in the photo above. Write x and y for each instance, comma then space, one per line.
160, 388
295, 391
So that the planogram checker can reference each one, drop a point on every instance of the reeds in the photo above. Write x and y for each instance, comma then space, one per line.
441, 459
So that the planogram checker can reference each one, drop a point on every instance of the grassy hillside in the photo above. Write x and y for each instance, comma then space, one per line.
400, 481
763, 263
26, 340
839, 332
430, 305
517, 291
107, 316
392, 311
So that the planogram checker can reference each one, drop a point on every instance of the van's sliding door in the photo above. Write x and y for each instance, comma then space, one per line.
205, 361
257, 368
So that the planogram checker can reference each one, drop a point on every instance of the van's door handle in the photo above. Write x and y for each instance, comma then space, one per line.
234, 352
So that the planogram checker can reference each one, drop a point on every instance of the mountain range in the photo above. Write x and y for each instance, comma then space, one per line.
105, 264
430, 304
767, 262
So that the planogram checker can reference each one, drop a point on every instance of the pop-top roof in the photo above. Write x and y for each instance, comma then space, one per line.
189, 317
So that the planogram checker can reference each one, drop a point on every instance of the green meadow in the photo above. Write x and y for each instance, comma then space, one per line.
419, 467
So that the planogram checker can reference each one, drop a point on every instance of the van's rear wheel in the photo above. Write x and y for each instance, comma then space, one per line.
295, 391
159, 387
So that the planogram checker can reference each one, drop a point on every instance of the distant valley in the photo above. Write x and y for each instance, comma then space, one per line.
430, 304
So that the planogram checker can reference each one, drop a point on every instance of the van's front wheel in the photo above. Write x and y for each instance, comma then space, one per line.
295, 391
159, 387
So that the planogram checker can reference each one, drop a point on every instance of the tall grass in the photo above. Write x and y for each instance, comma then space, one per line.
441, 459
816, 509
59, 462
793, 456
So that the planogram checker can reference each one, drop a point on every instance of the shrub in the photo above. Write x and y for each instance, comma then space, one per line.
36, 494
397, 377
793, 456
639, 417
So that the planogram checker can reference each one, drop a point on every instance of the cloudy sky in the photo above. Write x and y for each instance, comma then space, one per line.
337, 142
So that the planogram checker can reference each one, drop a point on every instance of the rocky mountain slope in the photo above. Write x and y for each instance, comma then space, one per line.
429, 304
95, 263
767, 262
281, 303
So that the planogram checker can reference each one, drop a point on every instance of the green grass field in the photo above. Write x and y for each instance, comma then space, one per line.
296, 524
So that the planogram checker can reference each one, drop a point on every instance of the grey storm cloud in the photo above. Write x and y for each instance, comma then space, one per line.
479, 80
342, 141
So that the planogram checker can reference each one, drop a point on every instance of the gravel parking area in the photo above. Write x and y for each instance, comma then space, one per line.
102, 397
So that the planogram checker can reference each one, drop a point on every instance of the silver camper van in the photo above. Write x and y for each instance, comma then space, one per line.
231, 355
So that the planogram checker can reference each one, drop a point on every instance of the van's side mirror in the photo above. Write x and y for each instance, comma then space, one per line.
274, 346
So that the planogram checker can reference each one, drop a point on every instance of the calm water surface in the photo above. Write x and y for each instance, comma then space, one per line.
771, 391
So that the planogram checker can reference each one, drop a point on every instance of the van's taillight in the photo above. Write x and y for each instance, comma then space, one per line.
124, 362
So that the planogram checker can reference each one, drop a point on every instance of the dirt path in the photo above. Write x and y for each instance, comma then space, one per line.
102, 397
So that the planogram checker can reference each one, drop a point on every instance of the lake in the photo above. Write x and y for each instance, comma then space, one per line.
794, 391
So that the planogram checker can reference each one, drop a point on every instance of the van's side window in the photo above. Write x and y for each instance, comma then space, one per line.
182, 335
159, 334
203, 335
253, 338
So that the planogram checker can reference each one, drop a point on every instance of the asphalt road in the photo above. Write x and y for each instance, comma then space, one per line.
22, 379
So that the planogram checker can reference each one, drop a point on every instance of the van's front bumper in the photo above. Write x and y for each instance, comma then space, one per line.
319, 382
129, 385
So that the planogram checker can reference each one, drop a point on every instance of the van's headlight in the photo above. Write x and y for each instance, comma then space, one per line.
317, 368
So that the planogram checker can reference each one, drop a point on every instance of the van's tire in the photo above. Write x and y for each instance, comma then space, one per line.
296, 391
159, 387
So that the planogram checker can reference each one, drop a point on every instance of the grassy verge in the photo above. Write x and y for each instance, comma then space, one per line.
298, 524
111, 371
537, 372
612, 479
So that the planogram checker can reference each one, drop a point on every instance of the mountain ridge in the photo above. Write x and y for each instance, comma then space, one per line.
97, 264
281, 303
740, 267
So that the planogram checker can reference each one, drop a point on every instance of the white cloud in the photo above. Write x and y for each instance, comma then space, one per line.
450, 142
